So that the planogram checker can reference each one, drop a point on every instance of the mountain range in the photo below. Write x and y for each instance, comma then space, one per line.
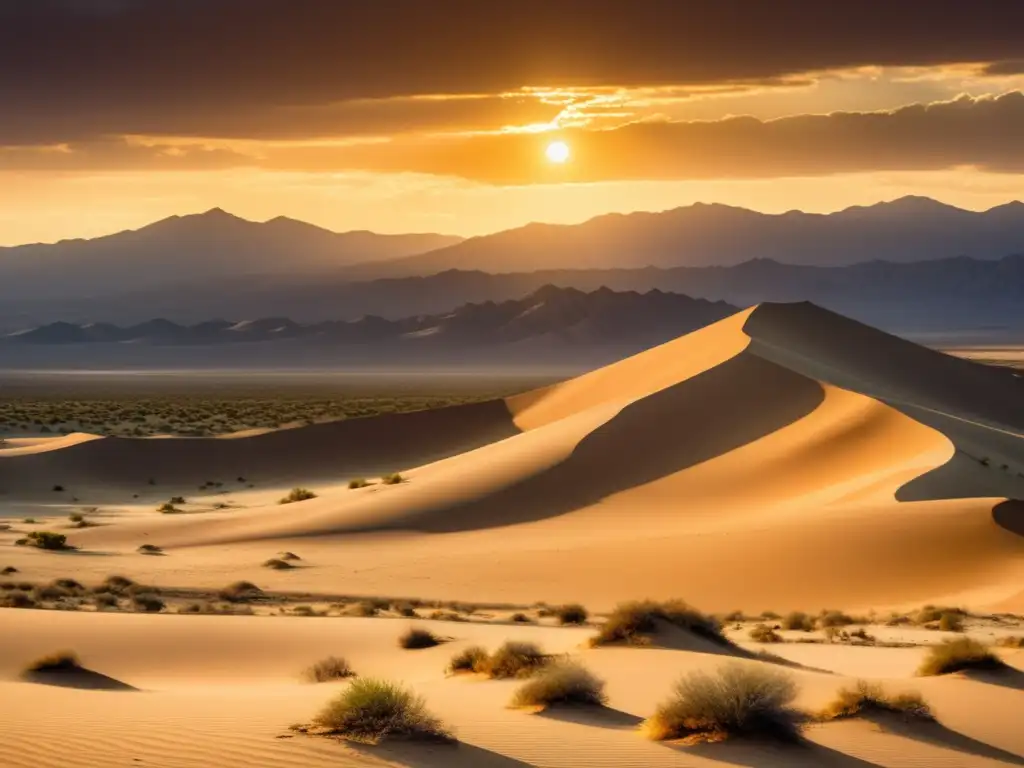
546, 321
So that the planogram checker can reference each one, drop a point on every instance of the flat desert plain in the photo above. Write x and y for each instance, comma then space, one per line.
807, 479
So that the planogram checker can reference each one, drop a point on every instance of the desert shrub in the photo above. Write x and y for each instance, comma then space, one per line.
798, 620
50, 592
289, 556
867, 699
932, 613
116, 584
105, 600
167, 509
405, 609
834, 619
636, 622
515, 659
521, 618
561, 683
571, 614
372, 710
149, 549
393, 479
240, 591
62, 661
734, 616
473, 658
769, 616
1011, 642
58, 488
358, 482
957, 655
48, 540
297, 494
148, 603
364, 608
951, 622
762, 633
7, 571
277, 564
18, 600
862, 635
739, 700
416, 637
68, 584
76, 517
326, 670
176, 500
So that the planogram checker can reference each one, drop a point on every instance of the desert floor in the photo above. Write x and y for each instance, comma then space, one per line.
783, 459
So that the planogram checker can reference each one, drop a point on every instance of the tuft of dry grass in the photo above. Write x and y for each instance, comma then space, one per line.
288, 556
951, 622
473, 658
737, 701
798, 620
358, 482
564, 682
371, 710
150, 549
416, 637
1011, 642
278, 564
635, 622
394, 478
762, 633
515, 659
574, 613
959, 655
240, 591
297, 494
326, 670
62, 661
865, 699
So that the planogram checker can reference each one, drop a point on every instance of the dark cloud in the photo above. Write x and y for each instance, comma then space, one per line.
982, 132
77, 69
119, 155
1004, 68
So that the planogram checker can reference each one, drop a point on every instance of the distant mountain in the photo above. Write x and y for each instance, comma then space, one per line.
904, 230
548, 319
200, 247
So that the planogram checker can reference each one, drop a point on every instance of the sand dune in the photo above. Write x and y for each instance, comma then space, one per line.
783, 458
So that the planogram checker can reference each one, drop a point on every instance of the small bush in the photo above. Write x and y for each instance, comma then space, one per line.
405, 609
738, 700
521, 618
561, 683
867, 699
415, 638
297, 494
167, 509
571, 614
798, 620
76, 517
515, 659
288, 556
951, 622
105, 600
769, 616
326, 670
240, 592
372, 710
364, 608
8, 570
116, 584
958, 655
358, 482
277, 564
473, 658
149, 549
392, 479
1011, 642
48, 540
636, 622
834, 619
18, 600
176, 500
58, 488
762, 633
62, 661
147, 603
931, 613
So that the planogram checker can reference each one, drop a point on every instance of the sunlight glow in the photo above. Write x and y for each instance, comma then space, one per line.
557, 152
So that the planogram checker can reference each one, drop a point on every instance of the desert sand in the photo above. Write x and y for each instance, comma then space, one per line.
784, 458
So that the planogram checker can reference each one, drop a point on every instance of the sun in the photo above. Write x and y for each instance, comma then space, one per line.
557, 152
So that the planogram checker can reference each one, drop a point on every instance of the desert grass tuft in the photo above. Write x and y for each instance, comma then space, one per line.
326, 670
798, 620
278, 564
866, 699
515, 659
635, 623
762, 633
371, 710
566, 682
737, 701
393, 479
959, 655
417, 637
62, 661
357, 482
473, 658
573, 613
240, 591
297, 494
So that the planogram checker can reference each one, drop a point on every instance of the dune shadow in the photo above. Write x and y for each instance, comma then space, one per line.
939, 735
597, 717
84, 679
1009, 515
437, 755
1007, 677
724, 408
761, 754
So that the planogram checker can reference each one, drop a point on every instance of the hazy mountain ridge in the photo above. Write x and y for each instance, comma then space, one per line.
554, 315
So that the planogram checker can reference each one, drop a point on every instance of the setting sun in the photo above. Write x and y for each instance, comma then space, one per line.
557, 152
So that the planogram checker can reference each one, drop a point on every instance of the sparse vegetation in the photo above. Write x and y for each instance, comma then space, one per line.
561, 683
297, 494
958, 655
521, 618
636, 623
834, 619
571, 614
149, 549
393, 479
326, 670
1011, 642
371, 710
176, 500
473, 658
798, 620
47, 540
417, 637
167, 508
515, 659
867, 699
7, 571
358, 482
278, 564
951, 622
240, 591
737, 701
147, 603
762, 633
62, 661
289, 556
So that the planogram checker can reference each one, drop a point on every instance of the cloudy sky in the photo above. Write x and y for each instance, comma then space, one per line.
408, 115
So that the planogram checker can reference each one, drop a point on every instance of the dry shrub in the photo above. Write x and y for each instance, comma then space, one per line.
288, 556
636, 622
372, 710
7, 571
521, 618
62, 661
297, 494
868, 699
798, 620
278, 564
358, 482
18, 600
147, 603
515, 659
116, 584
240, 591
104, 600
739, 700
1011, 642
762, 633
326, 670
834, 619
573, 613
951, 622
149, 549
473, 658
958, 655
416, 637
393, 479
561, 683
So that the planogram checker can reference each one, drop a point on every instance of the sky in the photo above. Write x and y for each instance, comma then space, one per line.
414, 116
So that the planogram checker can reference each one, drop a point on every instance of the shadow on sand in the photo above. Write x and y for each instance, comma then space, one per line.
432, 755
939, 735
759, 754
84, 679
597, 717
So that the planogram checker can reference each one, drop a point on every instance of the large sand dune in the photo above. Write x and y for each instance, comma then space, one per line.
783, 458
